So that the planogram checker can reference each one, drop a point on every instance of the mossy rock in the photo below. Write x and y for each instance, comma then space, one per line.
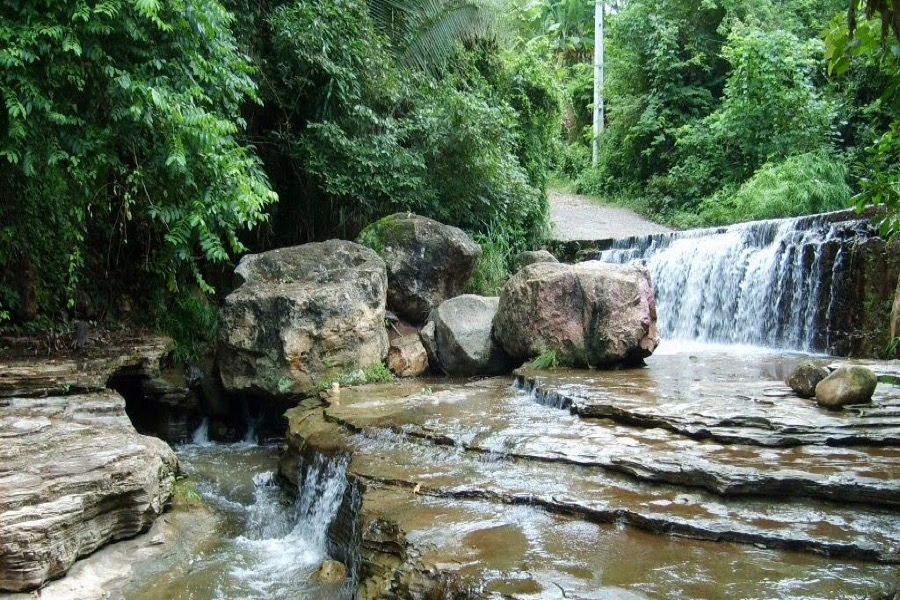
427, 262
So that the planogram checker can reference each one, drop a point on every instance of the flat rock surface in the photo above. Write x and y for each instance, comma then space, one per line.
486, 480
577, 217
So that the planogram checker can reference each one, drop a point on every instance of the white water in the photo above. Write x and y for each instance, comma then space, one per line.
201, 434
762, 283
271, 542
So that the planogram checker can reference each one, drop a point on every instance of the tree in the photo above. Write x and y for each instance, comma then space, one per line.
873, 44
121, 129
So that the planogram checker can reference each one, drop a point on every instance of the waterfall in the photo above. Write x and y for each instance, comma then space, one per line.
283, 541
321, 491
769, 283
201, 434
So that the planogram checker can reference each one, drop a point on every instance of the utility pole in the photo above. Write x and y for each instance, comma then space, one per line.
599, 10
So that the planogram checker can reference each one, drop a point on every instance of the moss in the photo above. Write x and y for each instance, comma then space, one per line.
376, 235
376, 373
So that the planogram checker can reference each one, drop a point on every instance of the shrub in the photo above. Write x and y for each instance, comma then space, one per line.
805, 184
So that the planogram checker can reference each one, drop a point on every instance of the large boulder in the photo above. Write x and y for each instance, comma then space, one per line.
427, 262
302, 314
74, 475
804, 379
846, 385
590, 314
464, 340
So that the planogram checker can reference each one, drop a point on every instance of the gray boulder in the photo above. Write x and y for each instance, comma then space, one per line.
804, 379
427, 262
302, 314
465, 346
407, 356
591, 314
846, 385
531, 257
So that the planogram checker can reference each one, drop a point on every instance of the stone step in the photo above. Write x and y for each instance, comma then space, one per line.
485, 440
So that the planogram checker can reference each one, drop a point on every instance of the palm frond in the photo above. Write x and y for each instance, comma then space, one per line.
424, 33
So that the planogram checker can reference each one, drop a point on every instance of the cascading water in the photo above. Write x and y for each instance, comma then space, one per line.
269, 543
770, 283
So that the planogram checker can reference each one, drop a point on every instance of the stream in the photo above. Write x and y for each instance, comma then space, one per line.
698, 476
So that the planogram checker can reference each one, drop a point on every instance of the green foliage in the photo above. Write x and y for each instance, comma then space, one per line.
493, 269
770, 109
545, 360
866, 49
356, 134
190, 318
426, 33
185, 493
120, 127
805, 184
376, 373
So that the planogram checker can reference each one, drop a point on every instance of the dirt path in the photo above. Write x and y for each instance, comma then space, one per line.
581, 218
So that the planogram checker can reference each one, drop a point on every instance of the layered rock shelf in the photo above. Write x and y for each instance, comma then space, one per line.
74, 473
489, 482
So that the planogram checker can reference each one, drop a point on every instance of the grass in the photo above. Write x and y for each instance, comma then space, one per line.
545, 360
185, 493
377, 373
492, 271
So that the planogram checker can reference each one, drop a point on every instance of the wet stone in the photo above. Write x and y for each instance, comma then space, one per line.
803, 379
528, 497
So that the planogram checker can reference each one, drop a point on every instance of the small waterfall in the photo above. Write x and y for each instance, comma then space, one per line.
770, 283
201, 434
322, 486
283, 541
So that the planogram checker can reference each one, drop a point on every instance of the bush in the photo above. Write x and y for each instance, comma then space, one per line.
805, 184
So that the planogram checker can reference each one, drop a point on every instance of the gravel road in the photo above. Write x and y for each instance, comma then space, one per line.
581, 218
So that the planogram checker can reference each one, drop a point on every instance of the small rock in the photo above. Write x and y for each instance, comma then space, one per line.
531, 257
427, 335
846, 385
407, 356
330, 571
804, 379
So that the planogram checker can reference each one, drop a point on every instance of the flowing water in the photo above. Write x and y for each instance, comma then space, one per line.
267, 543
768, 283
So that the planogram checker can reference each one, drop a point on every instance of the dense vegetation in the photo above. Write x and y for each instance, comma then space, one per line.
144, 145
728, 110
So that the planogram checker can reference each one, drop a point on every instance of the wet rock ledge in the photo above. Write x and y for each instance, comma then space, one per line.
74, 473
514, 497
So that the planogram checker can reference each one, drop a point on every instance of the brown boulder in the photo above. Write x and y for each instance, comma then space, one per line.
407, 356
591, 314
